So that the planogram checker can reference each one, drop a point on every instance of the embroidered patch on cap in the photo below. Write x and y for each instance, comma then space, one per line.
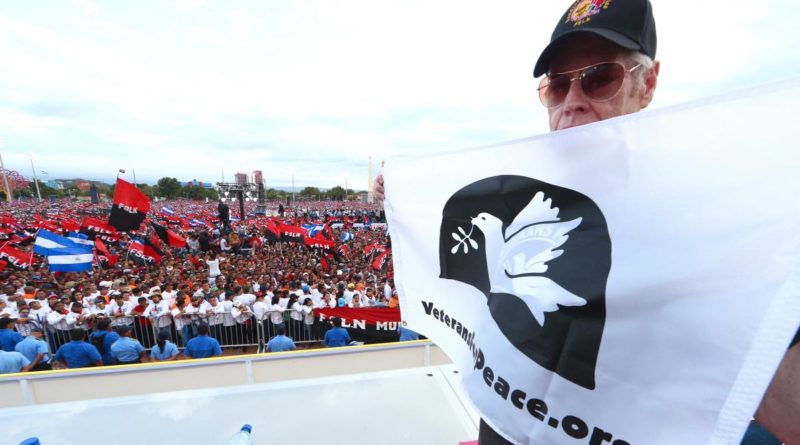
583, 10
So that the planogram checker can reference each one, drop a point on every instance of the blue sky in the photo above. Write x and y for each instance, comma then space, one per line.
312, 88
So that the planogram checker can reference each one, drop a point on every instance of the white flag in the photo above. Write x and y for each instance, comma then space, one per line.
633, 281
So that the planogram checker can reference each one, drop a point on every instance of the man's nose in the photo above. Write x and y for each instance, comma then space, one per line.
575, 101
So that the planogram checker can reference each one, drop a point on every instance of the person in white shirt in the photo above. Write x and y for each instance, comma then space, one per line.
214, 311
58, 324
79, 317
348, 294
356, 302
100, 308
121, 310
328, 301
307, 310
283, 298
295, 317
276, 311
158, 311
260, 307
387, 289
213, 267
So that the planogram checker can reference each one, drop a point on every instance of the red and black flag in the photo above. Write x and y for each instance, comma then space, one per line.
318, 241
342, 250
382, 261
292, 233
130, 207
272, 232
143, 253
103, 255
94, 229
168, 236
16, 257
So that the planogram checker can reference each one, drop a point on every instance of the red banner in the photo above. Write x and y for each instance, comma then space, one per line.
369, 325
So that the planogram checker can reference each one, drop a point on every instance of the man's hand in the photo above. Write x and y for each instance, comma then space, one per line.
377, 188
780, 408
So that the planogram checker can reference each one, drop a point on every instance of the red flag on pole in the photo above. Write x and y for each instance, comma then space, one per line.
130, 207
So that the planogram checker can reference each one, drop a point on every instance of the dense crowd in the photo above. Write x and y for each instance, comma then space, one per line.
229, 285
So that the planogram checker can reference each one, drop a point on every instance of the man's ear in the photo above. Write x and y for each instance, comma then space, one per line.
650, 83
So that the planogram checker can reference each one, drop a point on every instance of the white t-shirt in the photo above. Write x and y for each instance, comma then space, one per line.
213, 268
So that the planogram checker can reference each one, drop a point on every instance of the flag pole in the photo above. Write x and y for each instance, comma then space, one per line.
5, 179
35, 181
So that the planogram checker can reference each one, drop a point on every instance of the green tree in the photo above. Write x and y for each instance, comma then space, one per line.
310, 191
337, 193
273, 194
169, 187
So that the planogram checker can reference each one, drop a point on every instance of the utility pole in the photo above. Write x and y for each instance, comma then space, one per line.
370, 198
292, 188
134, 176
35, 181
5, 180
346, 190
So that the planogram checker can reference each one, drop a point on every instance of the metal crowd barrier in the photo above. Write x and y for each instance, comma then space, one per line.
246, 331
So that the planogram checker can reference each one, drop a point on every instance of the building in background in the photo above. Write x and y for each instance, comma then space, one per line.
241, 178
258, 177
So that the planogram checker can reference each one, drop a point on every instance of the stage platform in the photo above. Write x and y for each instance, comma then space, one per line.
421, 405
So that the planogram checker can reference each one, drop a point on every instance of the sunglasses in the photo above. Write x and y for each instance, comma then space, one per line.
599, 83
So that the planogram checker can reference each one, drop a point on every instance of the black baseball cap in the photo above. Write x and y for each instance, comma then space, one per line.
627, 23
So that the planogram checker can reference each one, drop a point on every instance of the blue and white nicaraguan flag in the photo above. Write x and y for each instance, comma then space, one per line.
347, 236
80, 238
71, 259
47, 241
629, 282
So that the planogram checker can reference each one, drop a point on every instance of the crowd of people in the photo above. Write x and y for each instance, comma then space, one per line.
231, 284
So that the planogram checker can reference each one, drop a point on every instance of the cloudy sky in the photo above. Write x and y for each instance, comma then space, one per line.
312, 88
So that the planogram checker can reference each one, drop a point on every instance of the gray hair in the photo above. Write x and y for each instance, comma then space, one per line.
639, 58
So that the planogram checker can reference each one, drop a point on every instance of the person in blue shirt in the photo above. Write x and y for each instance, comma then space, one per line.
35, 350
164, 349
337, 335
13, 362
127, 350
78, 353
8, 336
280, 342
407, 334
102, 339
202, 346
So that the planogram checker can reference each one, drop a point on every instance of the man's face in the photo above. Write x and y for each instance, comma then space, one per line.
582, 51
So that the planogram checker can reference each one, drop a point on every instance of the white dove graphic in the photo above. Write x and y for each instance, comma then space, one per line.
515, 257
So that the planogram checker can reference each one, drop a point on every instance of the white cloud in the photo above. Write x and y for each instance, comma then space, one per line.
268, 82
190, 5
86, 6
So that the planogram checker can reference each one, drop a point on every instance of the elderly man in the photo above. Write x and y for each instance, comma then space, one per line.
600, 64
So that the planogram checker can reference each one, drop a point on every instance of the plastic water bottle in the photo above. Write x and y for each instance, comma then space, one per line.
242, 437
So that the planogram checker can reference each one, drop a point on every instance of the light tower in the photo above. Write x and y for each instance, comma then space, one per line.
370, 198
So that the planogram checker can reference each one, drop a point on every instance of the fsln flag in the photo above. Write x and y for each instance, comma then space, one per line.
71, 259
47, 241
168, 236
143, 254
572, 277
130, 207
94, 228
16, 257
103, 253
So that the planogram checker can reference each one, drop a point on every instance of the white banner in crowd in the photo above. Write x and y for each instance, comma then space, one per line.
633, 281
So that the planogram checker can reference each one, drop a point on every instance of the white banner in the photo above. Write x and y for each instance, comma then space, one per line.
632, 281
